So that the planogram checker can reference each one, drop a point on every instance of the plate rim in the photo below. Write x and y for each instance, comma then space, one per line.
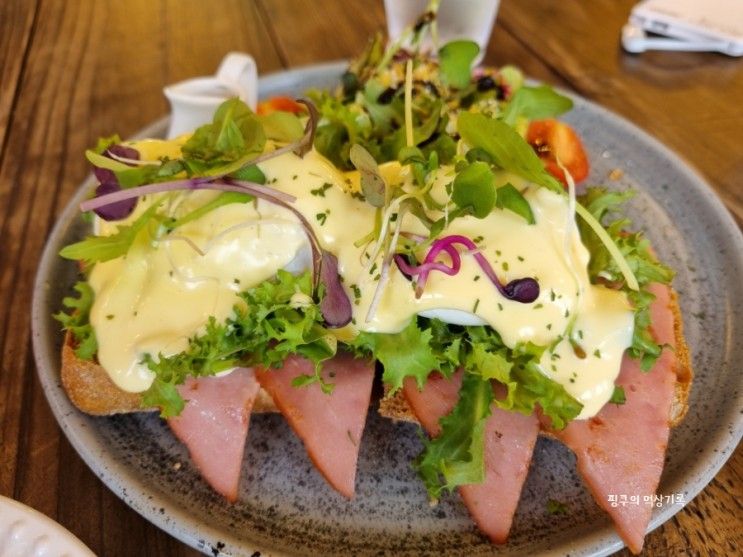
200, 535
44, 531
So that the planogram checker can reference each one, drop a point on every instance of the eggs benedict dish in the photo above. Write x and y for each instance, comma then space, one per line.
422, 219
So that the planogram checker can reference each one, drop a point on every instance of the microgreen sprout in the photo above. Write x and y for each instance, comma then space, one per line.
524, 290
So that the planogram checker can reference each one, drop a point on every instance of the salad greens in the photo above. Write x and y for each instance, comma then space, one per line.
77, 320
394, 104
456, 455
510, 198
278, 318
506, 148
94, 249
455, 61
473, 189
224, 147
636, 250
535, 103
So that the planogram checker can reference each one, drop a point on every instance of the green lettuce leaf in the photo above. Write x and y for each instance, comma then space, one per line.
404, 354
456, 456
282, 126
473, 189
535, 103
518, 370
234, 135
618, 396
372, 183
602, 204
455, 62
534, 388
510, 198
506, 147
94, 249
278, 318
77, 320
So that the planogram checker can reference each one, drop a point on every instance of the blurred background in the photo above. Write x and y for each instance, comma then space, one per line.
93, 67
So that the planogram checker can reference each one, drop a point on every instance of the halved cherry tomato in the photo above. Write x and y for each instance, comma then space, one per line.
553, 140
282, 104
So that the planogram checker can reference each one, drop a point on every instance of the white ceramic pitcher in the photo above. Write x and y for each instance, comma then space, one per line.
193, 101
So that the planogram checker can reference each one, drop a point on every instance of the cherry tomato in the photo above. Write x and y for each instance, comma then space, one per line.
282, 104
554, 140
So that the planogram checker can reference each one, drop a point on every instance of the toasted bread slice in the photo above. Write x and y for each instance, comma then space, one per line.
92, 391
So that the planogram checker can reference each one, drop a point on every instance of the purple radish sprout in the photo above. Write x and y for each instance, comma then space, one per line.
524, 290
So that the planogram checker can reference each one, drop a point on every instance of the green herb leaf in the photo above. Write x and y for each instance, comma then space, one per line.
444, 145
518, 370
478, 154
512, 77
132, 177
224, 198
384, 116
250, 173
535, 103
533, 387
618, 396
282, 126
473, 189
507, 148
77, 321
104, 248
96, 159
510, 198
403, 354
456, 455
330, 139
234, 134
410, 155
164, 395
372, 183
455, 61
342, 127
431, 123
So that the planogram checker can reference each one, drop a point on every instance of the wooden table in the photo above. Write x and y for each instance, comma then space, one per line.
72, 71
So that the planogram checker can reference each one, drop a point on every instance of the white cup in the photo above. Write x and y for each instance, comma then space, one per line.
193, 102
457, 19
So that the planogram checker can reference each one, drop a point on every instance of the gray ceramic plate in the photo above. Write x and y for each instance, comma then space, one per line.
285, 507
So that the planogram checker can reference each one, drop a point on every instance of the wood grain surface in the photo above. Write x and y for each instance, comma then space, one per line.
71, 71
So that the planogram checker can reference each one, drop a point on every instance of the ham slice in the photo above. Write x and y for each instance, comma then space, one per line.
509, 444
329, 425
214, 426
621, 450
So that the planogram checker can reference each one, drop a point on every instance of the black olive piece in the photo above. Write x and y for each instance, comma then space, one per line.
386, 96
486, 83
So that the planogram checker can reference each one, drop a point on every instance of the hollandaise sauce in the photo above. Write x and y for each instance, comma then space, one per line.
164, 291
